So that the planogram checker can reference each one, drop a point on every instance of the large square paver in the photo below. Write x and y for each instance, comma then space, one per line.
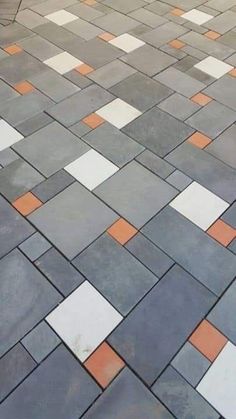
23, 290
84, 320
156, 329
70, 219
59, 388
141, 193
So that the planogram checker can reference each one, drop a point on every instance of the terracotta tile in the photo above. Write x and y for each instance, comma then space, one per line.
122, 231
177, 12
13, 49
212, 35
177, 44
24, 87
84, 69
90, 2
93, 120
27, 203
106, 36
222, 232
233, 72
199, 140
208, 340
104, 364
201, 99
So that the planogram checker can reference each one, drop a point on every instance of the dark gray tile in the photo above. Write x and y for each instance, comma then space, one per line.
224, 147
53, 185
154, 163
40, 341
68, 399
230, 216
22, 282
35, 246
34, 124
57, 35
209, 262
156, 329
182, 400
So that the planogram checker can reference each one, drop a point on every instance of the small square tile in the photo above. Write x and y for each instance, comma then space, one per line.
179, 180
61, 17
13, 49
106, 36
91, 169
84, 69
208, 340
8, 134
218, 385
177, 44
197, 17
63, 62
177, 12
71, 318
222, 232
104, 364
126, 42
119, 113
40, 341
213, 67
24, 87
201, 99
35, 246
122, 231
179, 106
212, 35
93, 120
199, 140
199, 205
233, 72
27, 203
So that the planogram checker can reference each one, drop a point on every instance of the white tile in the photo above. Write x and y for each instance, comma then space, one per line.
213, 67
91, 169
63, 62
218, 386
127, 42
8, 135
199, 205
84, 320
197, 17
118, 113
61, 17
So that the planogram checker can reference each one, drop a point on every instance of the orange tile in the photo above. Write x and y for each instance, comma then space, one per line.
199, 140
104, 364
84, 69
208, 340
177, 12
177, 44
27, 203
212, 35
222, 232
13, 49
201, 99
233, 72
122, 231
93, 120
106, 36
24, 87
90, 2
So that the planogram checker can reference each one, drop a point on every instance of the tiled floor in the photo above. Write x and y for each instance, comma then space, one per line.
118, 209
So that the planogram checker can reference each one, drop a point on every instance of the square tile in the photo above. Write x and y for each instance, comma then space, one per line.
40, 341
24, 87
118, 113
199, 205
63, 62
222, 232
122, 231
93, 120
213, 67
35, 246
127, 42
178, 106
197, 17
84, 307
91, 169
61, 17
53, 185
9, 135
27, 203
218, 385
199, 140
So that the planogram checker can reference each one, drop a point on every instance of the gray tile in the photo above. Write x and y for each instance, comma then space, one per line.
39, 47
18, 178
80, 129
75, 108
154, 163
222, 90
35, 246
191, 364
6, 92
158, 131
13, 33
84, 12
206, 45
74, 391
150, 255
222, 23
111, 73
59, 271
14, 367
51, 6
30, 19
182, 400
34, 124
230, 215
83, 29
14, 229
164, 34
116, 23
7, 156
213, 265
149, 193
140, 91
121, 278
18, 67
113, 144
49, 156
179, 180
228, 39
122, 5
128, 396
179, 106
53, 185
40, 341
156, 329
180, 82
78, 79
232, 246
224, 147
68, 229
57, 35
21, 281
147, 17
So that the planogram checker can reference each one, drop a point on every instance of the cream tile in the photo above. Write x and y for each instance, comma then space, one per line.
62, 63
118, 113
213, 67
197, 17
61, 17
127, 42
8, 135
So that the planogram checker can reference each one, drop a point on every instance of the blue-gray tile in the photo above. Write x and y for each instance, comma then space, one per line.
35, 246
40, 341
